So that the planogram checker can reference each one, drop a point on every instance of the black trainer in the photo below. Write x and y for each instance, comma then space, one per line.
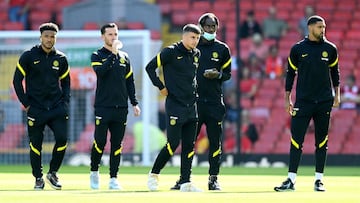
53, 180
213, 183
176, 186
39, 184
287, 185
319, 186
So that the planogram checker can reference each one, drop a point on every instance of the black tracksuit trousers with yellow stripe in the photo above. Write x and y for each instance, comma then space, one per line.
57, 120
181, 126
303, 112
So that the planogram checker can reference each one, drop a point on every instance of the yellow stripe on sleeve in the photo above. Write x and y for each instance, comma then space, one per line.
158, 60
96, 63
129, 74
335, 62
20, 69
226, 64
291, 64
65, 74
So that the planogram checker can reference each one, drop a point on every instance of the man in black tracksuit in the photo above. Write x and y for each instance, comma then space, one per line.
45, 101
115, 85
214, 69
180, 62
315, 62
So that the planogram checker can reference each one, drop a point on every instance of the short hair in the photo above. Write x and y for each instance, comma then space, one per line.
48, 26
314, 19
191, 28
205, 16
107, 25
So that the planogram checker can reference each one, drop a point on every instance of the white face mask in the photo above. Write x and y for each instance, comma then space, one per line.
209, 36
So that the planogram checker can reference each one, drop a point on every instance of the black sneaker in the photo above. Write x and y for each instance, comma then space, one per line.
176, 186
319, 186
53, 180
213, 184
39, 184
287, 185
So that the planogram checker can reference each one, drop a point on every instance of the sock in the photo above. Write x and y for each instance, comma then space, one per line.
292, 176
318, 176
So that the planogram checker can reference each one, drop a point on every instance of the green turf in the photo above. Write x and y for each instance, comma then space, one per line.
303, 170
17, 187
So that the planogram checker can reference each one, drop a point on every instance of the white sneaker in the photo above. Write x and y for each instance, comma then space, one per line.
94, 180
153, 181
189, 187
114, 184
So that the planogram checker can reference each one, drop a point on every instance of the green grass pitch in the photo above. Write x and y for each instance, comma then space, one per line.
239, 184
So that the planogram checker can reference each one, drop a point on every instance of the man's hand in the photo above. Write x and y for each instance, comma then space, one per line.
211, 73
137, 110
164, 92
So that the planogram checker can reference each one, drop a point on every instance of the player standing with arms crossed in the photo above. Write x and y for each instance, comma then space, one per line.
315, 62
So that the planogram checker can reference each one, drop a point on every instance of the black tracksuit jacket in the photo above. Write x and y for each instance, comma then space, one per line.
214, 54
179, 68
316, 65
115, 80
42, 72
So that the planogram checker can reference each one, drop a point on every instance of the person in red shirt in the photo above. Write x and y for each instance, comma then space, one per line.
273, 63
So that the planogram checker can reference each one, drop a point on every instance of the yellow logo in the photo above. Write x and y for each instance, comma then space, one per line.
304, 55
324, 54
122, 60
179, 57
196, 59
97, 122
30, 123
36, 62
215, 55
172, 121
56, 63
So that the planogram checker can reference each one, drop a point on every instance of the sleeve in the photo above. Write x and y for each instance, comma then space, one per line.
102, 66
291, 69
19, 75
130, 84
65, 80
334, 69
225, 73
159, 60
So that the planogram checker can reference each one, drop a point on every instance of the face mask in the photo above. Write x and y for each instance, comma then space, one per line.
209, 36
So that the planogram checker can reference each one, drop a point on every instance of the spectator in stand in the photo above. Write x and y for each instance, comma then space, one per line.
273, 63
350, 94
248, 85
249, 133
249, 26
273, 27
19, 11
258, 47
302, 26
255, 66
